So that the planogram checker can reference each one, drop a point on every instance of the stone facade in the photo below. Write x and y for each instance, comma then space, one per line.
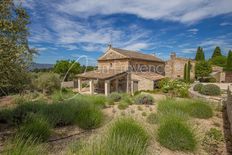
174, 68
116, 61
141, 83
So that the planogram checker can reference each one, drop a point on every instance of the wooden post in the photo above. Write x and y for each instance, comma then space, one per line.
116, 85
79, 85
91, 87
128, 83
107, 87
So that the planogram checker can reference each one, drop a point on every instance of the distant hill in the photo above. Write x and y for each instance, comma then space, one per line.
40, 66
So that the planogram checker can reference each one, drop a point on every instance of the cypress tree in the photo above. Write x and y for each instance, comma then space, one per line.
188, 71
200, 56
229, 61
185, 71
217, 52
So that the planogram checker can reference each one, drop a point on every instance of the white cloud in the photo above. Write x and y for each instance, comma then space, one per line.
226, 24
174, 10
193, 31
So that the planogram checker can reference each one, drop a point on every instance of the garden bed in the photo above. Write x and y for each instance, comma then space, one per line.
152, 117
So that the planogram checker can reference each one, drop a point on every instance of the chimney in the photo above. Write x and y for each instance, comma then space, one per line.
109, 46
173, 55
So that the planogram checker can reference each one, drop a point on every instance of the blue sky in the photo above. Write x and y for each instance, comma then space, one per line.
68, 29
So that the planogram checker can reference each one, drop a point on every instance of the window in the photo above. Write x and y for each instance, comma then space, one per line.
111, 65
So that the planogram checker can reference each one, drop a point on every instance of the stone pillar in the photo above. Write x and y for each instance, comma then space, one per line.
128, 83
79, 84
107, 87
91, 86
132, 87
116, 85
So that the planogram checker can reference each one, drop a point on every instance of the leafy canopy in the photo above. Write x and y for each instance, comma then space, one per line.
67, 68
203, 69
15, 54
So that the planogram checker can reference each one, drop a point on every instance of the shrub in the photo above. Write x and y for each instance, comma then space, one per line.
62, 95
197, 87
6, 116
152, 118
115, 96
163, 82
144, 114
212, 138
199, 109
122, 105
139, 108
88, 116
214, 134
126, 98
36, 127
144, 99
176, 135
21, 112
98, 100
211, 89
47, 82
175, 88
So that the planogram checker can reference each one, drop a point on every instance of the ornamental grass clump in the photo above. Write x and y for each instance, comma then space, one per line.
199, 109
116, 97
122, 105
21, 146
88, 116
152, 118
143, 99
176, 135
36, 127
124, 137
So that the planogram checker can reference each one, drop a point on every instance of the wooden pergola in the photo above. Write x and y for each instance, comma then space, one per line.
105, 76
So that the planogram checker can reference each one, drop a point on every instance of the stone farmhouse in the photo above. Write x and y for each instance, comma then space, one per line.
122, 70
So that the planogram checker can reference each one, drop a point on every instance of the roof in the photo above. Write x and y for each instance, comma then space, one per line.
100, 74
149, 75
135, 55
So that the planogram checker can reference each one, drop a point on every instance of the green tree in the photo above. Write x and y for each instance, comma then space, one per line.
219, 61
67, 68
200, 56
229, 61
217, 52
202, 69
15, 54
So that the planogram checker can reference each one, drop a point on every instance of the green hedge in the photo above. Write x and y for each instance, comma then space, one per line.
211, 90
198, 87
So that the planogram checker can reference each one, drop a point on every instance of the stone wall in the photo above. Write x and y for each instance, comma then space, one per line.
228, 104
143, 83
228, 77
174, 67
